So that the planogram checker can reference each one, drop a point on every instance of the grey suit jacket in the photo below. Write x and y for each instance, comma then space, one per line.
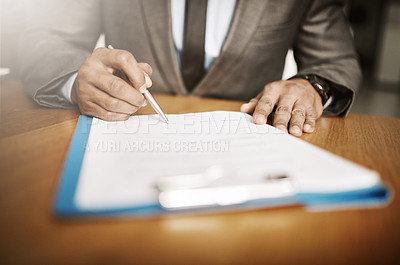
62, 34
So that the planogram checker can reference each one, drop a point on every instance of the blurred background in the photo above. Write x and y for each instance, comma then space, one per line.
376, 29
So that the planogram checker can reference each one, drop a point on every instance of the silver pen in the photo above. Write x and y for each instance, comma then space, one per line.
151, 100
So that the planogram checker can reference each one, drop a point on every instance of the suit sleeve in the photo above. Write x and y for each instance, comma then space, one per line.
59, 36
324, 47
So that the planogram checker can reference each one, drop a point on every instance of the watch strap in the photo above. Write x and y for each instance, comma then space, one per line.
319, 84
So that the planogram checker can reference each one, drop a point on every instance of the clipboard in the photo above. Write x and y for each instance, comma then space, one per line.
273, 190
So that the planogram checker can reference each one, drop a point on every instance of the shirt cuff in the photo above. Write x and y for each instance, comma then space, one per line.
328, 102
67, 87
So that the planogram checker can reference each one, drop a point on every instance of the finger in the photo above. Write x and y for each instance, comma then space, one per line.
146, 68
149, 83
264, 107
283, 113
310, 119
297, 119
92, 109
112, 104
118, 88
147, 73
249, 106
126, 62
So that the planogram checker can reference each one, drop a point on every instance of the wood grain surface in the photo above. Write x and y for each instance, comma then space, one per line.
33, 145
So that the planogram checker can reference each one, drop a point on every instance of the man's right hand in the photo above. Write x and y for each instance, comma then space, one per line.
110, 85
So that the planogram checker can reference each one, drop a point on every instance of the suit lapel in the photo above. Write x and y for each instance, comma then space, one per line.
157, 20
244, 23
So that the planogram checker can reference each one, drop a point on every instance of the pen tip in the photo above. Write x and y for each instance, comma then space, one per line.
165, 118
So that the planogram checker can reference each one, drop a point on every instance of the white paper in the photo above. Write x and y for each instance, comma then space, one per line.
123, 160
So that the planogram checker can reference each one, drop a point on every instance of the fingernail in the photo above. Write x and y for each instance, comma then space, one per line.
282, 128
143, 88
260, 119
144, 103
307, 127
148, 80
295, 130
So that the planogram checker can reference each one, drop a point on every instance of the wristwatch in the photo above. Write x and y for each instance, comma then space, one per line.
320, 85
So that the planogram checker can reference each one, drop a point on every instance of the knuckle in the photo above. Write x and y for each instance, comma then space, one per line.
112, 103
260, 109
124, 57
260, 112
310, 122
294, 90
116, 85
283, 109
290, 85
298, 112
295, 87
311, 114
265, 102
295, 123
272, 86
100, 50
97, 52
289, 95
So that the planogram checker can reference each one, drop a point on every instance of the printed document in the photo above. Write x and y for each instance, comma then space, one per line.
123, 160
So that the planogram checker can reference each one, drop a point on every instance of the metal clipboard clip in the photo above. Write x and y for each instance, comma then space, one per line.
215, 188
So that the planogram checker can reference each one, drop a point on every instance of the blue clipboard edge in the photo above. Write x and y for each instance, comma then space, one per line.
64, 203
65, 206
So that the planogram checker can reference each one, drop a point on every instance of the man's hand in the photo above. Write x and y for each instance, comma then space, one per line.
110, 85
296, 100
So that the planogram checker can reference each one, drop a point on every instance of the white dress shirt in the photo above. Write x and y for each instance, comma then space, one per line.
219, 16
218, 20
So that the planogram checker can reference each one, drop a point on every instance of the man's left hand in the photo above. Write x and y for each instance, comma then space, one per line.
298, 104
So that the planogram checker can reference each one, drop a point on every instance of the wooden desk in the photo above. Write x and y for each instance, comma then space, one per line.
34, 142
